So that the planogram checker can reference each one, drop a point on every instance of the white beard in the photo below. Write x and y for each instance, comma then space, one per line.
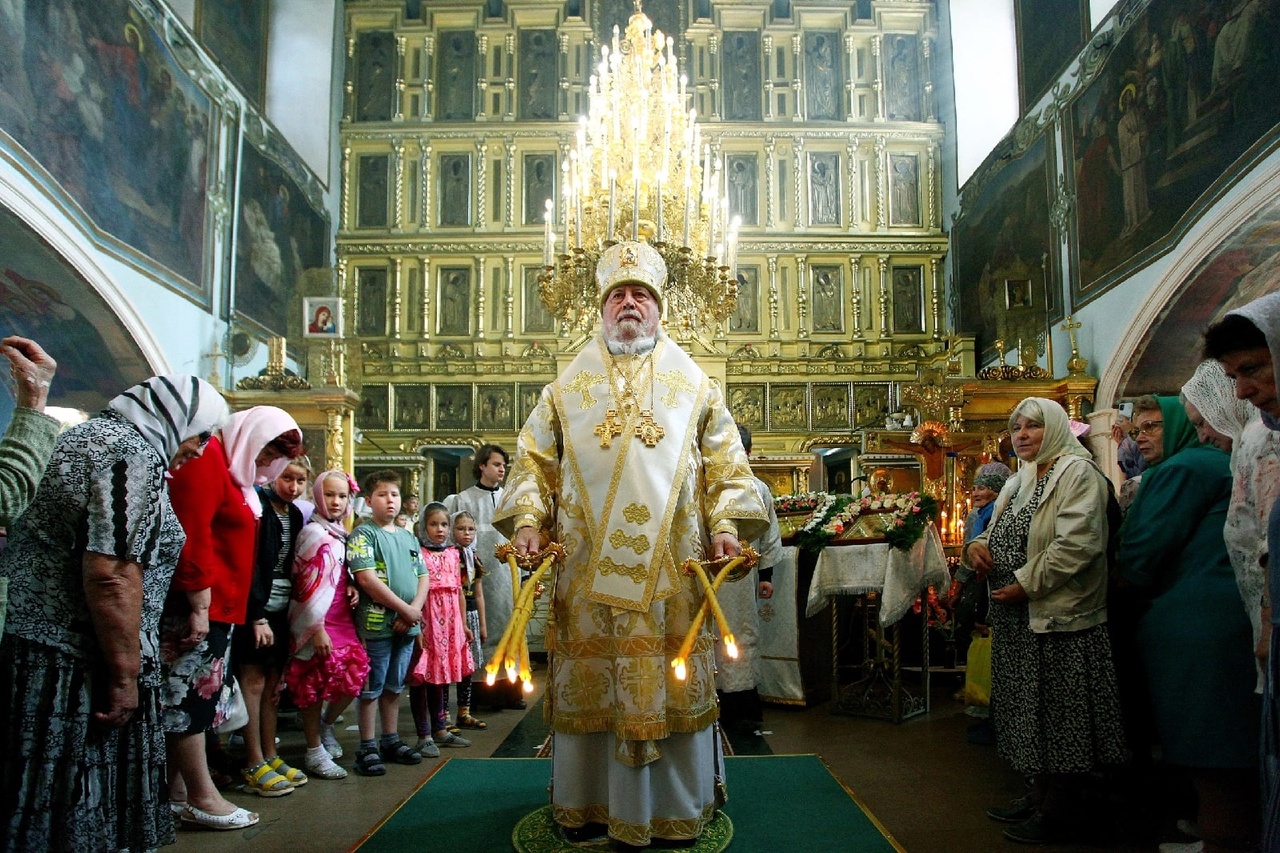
635, 346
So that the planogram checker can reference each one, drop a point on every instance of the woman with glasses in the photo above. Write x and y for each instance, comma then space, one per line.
1054, 698
82, 761
216, 501
1194, 637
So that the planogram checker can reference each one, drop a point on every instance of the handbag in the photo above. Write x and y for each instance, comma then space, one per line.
232, 710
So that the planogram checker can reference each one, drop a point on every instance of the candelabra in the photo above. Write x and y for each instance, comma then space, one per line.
640, 170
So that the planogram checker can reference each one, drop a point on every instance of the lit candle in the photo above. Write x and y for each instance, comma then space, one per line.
680, 662
546, 235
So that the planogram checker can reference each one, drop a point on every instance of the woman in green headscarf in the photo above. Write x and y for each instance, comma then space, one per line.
1194, 636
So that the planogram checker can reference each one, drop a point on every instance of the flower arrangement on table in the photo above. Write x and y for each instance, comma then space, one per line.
899, 520
940, 617
796, 511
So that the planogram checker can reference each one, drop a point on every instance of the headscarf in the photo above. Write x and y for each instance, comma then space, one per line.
245, 436
168, 410
1264, 313
1210, 391
1178, 432
467, 552
1058, 440
334, 526
993, 476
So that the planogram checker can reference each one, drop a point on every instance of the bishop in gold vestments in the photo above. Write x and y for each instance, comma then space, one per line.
632, 461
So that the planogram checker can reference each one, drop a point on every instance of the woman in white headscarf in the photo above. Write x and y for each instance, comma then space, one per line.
1233, 425
82, 752
1054, 699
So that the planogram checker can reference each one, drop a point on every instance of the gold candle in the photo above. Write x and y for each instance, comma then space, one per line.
680, 662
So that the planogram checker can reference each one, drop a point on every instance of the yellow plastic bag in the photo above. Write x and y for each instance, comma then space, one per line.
977, 671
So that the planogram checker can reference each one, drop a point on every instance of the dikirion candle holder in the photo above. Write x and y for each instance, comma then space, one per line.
726, 568
512, 653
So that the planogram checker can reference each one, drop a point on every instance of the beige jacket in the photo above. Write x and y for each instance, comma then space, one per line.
1065, 575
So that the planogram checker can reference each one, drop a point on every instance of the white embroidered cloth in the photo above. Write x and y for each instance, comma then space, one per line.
899, 576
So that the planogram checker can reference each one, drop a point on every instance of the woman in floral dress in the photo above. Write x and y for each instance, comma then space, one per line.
82, 761
1054, 699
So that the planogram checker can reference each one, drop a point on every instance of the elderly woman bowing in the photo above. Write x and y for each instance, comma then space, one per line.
1054, 699
83, 759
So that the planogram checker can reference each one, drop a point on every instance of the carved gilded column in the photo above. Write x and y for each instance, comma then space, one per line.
882, 263
424, 209
563, 80
424, 264
482, 190
797, 82
882, 108
882, 183
802, 296
936, 276
771, 184
774, 332
427, 207
508, 206
933, 187
510, 306
851, 158
851, 61
345, 211
397, 295
929, 112
797, 174
509, 82
398, 115
767, 41
397, 146
335, 444
713, 47
349, 85
346, 296
482, 79
481, 290
428, 78
855, 294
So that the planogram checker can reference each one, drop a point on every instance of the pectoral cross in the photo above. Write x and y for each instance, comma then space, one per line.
609, 428
648, 430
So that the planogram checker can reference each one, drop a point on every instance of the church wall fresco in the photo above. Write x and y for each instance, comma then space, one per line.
1050, 34
236, 34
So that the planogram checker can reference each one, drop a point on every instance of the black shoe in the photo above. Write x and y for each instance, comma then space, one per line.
983, 733
1040, 828
586, 832
518, 705
1021, 809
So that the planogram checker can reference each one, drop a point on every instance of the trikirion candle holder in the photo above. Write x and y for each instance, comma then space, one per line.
725, 568
512, 652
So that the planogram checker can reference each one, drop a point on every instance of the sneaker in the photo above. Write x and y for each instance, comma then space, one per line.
452, 740
320, 764
329, 741
1021, 809
426, 747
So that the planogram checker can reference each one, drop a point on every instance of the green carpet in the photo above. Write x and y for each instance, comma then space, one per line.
780, 802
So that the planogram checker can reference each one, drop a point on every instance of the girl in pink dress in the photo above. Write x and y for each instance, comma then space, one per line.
444, 655
329, 661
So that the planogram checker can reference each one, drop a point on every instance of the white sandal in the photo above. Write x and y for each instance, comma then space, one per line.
238, 819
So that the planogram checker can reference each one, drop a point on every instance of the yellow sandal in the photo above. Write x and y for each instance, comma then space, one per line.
265, 782
295, 776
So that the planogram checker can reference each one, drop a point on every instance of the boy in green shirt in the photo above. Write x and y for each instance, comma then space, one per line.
388, 569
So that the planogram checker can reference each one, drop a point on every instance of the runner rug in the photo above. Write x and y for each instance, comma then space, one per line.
777, 802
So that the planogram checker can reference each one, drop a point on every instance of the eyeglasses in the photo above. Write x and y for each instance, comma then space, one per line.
1149, 428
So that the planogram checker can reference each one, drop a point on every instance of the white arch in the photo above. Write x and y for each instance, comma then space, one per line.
30, 205
1224, 218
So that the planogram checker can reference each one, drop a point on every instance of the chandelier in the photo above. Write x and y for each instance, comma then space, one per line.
640, 170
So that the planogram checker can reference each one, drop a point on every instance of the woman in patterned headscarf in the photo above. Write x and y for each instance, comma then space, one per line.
1194, 637
1233, 425
82, 766
1054, 698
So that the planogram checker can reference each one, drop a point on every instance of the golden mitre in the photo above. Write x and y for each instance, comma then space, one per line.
631, 262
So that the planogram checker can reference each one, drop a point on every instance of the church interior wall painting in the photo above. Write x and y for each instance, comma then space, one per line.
527, 396
413, 407
495, 407
538, 81
235, 32
823, 76
665, 15
1182, 106
871, 403
456, 75
1004, 233
96, 106
907, 299
280, 234
743, 176
539, 186
455, 190
47, 300
904, 190
453, 301
1050, 34
742, 76
453, 407
826, 295
371, 297
537, 319
831, 406
788, 408
373, 196
747, 405
745, 319
375, 76
824, 188
374, 407
1241, 268
903, 90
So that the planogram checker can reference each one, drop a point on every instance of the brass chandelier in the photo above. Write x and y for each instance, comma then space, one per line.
640, 170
